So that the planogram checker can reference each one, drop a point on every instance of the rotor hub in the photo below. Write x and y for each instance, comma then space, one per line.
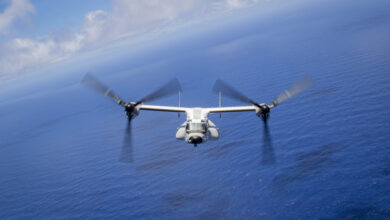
263, 112
131, 110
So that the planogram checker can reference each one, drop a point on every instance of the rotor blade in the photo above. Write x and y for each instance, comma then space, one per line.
93, 83
228, 90
169, 88
127, 146
268, 155
301, 85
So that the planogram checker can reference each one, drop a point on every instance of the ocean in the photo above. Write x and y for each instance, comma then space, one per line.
324, 155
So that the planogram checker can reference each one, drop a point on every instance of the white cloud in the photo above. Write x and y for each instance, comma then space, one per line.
235, 4
127, 18
73, 45
23, 53
18, 10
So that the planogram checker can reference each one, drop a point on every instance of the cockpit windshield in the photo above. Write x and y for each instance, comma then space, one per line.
198, 127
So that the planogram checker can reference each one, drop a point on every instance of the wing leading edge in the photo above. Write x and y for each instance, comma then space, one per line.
209, 110
231, 109
162, 108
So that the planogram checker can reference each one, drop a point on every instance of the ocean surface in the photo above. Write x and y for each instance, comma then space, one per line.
325, 154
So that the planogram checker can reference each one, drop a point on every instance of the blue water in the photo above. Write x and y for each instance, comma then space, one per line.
326, 155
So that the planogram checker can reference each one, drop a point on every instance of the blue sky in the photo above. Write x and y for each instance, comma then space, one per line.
37, 33
53, 15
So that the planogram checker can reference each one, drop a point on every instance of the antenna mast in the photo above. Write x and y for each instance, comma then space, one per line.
178, 114
220, 102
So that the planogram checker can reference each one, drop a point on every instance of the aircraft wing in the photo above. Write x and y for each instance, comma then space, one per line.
231, 109
162, 108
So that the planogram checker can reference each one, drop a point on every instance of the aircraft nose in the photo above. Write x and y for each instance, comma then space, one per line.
195, 140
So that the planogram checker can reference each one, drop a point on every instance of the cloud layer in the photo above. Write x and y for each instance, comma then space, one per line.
18, 10
127, 18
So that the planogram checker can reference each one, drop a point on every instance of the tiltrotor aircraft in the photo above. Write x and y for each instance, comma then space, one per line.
197, 128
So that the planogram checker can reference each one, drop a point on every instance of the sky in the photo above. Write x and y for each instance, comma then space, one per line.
37, 33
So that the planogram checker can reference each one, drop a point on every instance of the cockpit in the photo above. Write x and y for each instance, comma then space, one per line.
196, 127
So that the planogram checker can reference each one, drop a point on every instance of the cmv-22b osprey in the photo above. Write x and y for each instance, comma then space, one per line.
197, 128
